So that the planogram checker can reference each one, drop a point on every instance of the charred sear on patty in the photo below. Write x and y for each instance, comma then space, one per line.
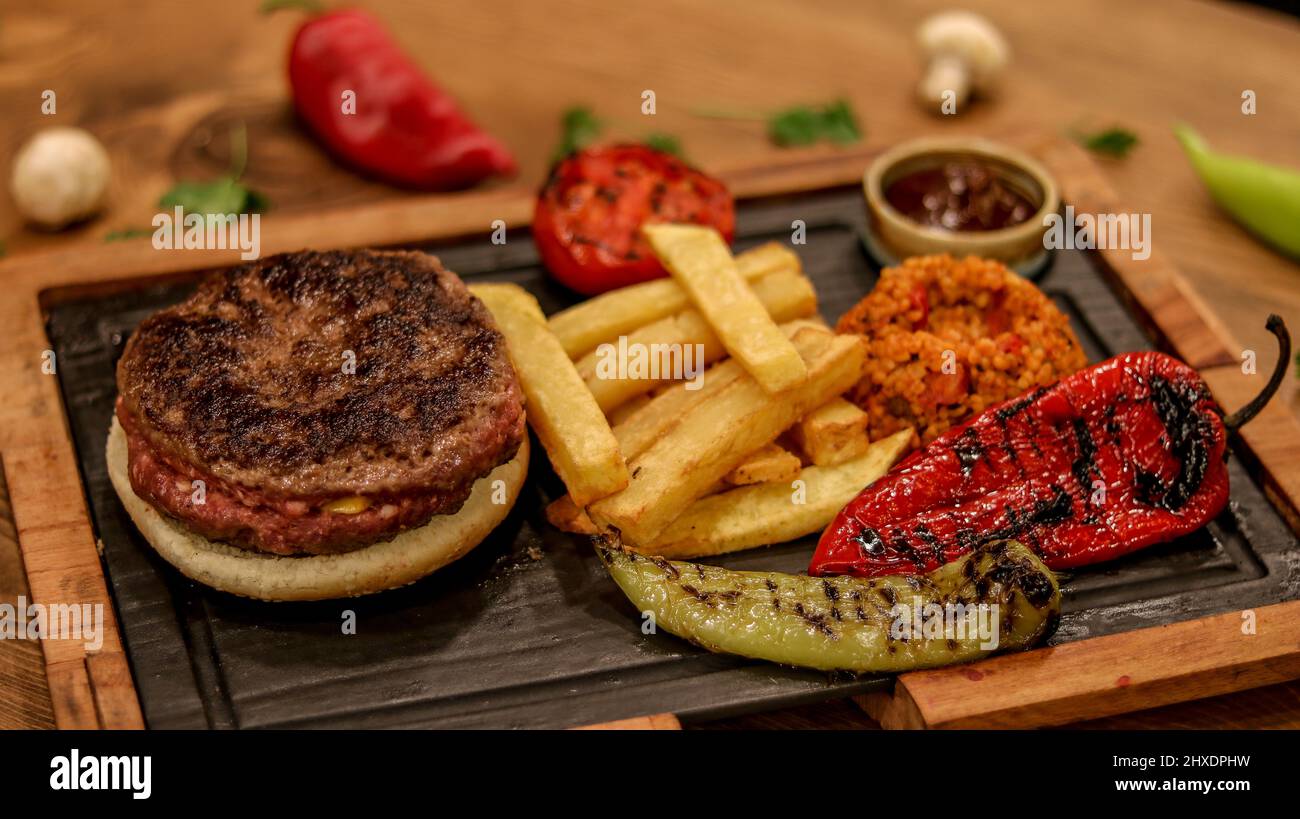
317, 375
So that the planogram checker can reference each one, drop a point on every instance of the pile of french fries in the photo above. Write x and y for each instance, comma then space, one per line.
759, 448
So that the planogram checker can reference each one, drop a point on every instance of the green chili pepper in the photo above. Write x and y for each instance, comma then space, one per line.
1264, 198
881, 625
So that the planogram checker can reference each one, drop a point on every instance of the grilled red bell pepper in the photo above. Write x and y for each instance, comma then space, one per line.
403, 128
1114, 458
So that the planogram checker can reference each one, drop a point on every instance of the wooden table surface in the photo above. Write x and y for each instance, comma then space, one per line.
161, 83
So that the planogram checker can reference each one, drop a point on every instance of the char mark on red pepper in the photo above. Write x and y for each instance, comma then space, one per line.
1085, 460
969, 450
1186, 432
1114, 458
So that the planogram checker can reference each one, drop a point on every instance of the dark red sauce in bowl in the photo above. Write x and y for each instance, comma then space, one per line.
960, 195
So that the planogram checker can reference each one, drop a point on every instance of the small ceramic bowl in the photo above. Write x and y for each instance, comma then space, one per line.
894, 236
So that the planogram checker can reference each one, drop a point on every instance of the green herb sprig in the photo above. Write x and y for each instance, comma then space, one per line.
800, 125
667, 143
224, 194
580, 127
805, 125
123, 234
1116, 142
271, 6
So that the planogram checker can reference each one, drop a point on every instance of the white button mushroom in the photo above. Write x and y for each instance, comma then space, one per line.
60, 176
966, 53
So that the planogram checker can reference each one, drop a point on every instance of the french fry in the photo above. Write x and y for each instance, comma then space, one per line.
775, 512
567, 516
698, 259
770, 464
810, 321
767, 464
610, 315
643, 428
787, 296
661, 389
508, 296
668, 345
739, 520
626, 410
660, 349
636, 433
571, 427
716, 435
832, 434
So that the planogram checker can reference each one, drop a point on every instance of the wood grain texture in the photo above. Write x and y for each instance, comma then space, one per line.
1274, 431
1100, 677
24, 692
1270, 707
165, 104
47, 505
113, 690
655, 722
25, 697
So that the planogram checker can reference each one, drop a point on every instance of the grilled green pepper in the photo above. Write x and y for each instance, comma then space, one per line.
998, 597
1265, 199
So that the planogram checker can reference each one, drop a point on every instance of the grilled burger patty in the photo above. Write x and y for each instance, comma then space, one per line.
326, 400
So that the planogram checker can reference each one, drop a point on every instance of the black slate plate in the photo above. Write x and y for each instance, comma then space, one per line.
506, 639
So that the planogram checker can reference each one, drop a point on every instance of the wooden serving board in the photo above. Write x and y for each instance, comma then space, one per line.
1052, 686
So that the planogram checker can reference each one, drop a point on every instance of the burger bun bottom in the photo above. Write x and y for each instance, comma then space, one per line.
406, 558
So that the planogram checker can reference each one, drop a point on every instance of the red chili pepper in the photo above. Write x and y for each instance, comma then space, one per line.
404, 128
1114, 458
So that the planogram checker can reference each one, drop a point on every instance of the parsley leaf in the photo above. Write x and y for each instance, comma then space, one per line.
667, 143
579, 127
1116, 142
222, 195
270, 6
804, 125
801, 124
126, 233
